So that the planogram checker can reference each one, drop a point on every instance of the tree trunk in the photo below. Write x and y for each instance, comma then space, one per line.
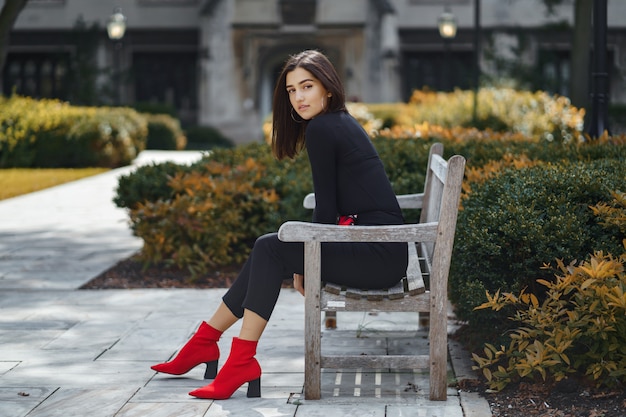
8, 16
580, 58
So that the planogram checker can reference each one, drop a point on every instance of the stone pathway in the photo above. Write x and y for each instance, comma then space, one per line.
68, 352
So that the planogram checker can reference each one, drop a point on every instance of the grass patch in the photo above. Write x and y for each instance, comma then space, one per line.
18, 181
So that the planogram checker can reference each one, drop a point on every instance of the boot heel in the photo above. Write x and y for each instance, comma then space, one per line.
254, 388
211, 370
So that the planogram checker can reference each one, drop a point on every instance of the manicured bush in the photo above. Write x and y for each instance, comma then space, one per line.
164, 132
50, 133
227, 200
578, 330
515, 222
148, 183
206, 138
213, 218
290, 179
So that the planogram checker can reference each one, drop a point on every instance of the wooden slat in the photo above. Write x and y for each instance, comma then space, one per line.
376, 295
293, 231
415, 281
355, 293
439, 166
375, 361
425, 255
410, 201
332, 288
397, 292
333, 302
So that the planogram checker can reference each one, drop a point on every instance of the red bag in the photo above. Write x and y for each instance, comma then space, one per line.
349, 220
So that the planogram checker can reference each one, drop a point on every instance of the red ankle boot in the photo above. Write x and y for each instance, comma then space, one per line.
240, 367
201, 348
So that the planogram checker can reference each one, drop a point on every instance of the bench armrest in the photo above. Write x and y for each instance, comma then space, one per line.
293, 231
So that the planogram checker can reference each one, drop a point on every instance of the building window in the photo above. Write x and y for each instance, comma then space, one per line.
167, 78
554, 68
437, 71
38, 75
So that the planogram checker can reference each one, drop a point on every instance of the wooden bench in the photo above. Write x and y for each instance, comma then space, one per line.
430, 249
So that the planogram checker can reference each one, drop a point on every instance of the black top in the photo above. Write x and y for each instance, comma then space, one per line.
348, 175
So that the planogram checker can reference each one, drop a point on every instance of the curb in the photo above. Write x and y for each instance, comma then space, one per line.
472, 403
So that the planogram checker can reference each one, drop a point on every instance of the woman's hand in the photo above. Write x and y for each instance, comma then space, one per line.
298, 283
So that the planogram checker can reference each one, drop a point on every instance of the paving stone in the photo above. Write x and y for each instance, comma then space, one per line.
163, 409
325, 410
89, 336
32, 325
175, 390
78, 373
6, 366
19, 401
425, 410
252, 407
16, 408
94, 402
25, 394
22, 339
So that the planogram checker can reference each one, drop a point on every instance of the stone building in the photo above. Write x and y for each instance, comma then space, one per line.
216, 61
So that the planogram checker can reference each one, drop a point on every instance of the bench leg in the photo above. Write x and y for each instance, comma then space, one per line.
312, 322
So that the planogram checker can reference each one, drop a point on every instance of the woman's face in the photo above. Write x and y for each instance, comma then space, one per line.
306, 93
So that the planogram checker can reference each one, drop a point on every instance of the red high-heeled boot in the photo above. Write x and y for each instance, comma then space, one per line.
201, 348
240, 367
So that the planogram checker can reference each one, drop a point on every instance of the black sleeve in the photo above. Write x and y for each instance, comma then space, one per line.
320, 144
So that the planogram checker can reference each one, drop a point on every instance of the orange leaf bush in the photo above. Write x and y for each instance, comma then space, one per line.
212, 219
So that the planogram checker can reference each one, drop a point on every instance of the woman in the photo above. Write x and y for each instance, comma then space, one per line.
350, 186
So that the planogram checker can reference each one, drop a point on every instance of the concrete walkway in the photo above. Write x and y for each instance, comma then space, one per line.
69, 352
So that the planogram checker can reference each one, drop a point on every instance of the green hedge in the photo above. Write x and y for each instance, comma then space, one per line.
405, 161
164, 132
50, 133
514, 224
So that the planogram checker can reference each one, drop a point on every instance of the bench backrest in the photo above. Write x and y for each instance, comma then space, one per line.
434, 183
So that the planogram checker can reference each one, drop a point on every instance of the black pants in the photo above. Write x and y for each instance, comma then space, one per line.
360, 265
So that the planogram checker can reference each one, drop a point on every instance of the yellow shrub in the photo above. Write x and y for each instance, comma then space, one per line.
579, 328
51, 133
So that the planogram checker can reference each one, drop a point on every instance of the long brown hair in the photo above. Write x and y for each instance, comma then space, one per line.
288, 127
